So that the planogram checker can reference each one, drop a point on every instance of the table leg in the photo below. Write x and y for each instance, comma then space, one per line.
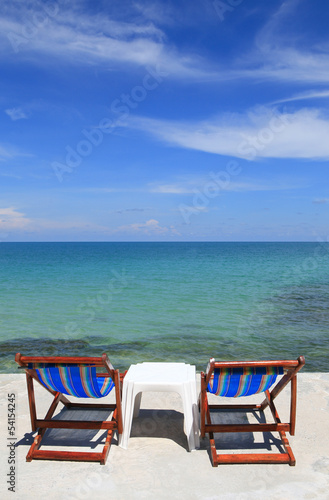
127, 413
137, 405
190, 416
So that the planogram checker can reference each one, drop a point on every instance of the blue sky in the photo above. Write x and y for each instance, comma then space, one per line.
164, 121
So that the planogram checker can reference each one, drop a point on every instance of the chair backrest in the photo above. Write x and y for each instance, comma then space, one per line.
75, 380
236, 379
72, 376
236, 382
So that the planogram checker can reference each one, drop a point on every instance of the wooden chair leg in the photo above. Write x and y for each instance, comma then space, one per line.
203, 406
107, 445
287, 448
30, 391
35, 445
118, 390
35, 454
213, 451
293, 405
250, 458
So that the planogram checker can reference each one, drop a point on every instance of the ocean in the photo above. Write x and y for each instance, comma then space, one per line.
165, 301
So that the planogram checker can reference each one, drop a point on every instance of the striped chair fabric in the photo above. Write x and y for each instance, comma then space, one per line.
78, 381
236, 382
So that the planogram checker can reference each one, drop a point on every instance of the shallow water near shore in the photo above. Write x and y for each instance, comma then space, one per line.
165, 301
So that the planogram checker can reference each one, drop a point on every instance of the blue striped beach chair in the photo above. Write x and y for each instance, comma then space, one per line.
229, 379
79, 377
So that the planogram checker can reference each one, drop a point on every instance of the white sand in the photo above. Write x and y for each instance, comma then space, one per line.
157, 464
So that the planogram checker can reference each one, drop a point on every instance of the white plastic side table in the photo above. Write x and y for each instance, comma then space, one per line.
167, 377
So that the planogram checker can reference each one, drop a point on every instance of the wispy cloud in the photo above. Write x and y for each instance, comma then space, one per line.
196, 185
129, 210
7, 152
121, 189
16, 114
181, 188
265, 133
150, 227
77, 38
12, 219
308, 95
68, 34
26, 109
4, 153
320, 201
10, 175
276, 54
281, 64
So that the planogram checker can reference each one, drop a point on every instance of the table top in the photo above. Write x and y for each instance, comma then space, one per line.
160, 373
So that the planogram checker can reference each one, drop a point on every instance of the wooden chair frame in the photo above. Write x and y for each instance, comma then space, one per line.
41, 425
290, 371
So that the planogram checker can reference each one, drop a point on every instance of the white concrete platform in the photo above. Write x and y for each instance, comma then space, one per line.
157, 464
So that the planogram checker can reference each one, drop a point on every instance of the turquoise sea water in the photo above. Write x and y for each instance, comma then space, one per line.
165, 301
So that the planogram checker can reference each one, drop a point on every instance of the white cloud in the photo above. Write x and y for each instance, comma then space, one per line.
285, 64
5, 153
182, 188
11, 219
16, 113
64, 32
150, 227
310, 94
69, 35
10, 175
265, 133
276, 56
219, 182
128, 210
321, 201
93, 39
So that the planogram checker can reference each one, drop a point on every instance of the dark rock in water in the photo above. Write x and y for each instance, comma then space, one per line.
43, 346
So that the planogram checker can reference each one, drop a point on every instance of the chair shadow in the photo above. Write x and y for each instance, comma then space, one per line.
167, 424
90, 438
242, 440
